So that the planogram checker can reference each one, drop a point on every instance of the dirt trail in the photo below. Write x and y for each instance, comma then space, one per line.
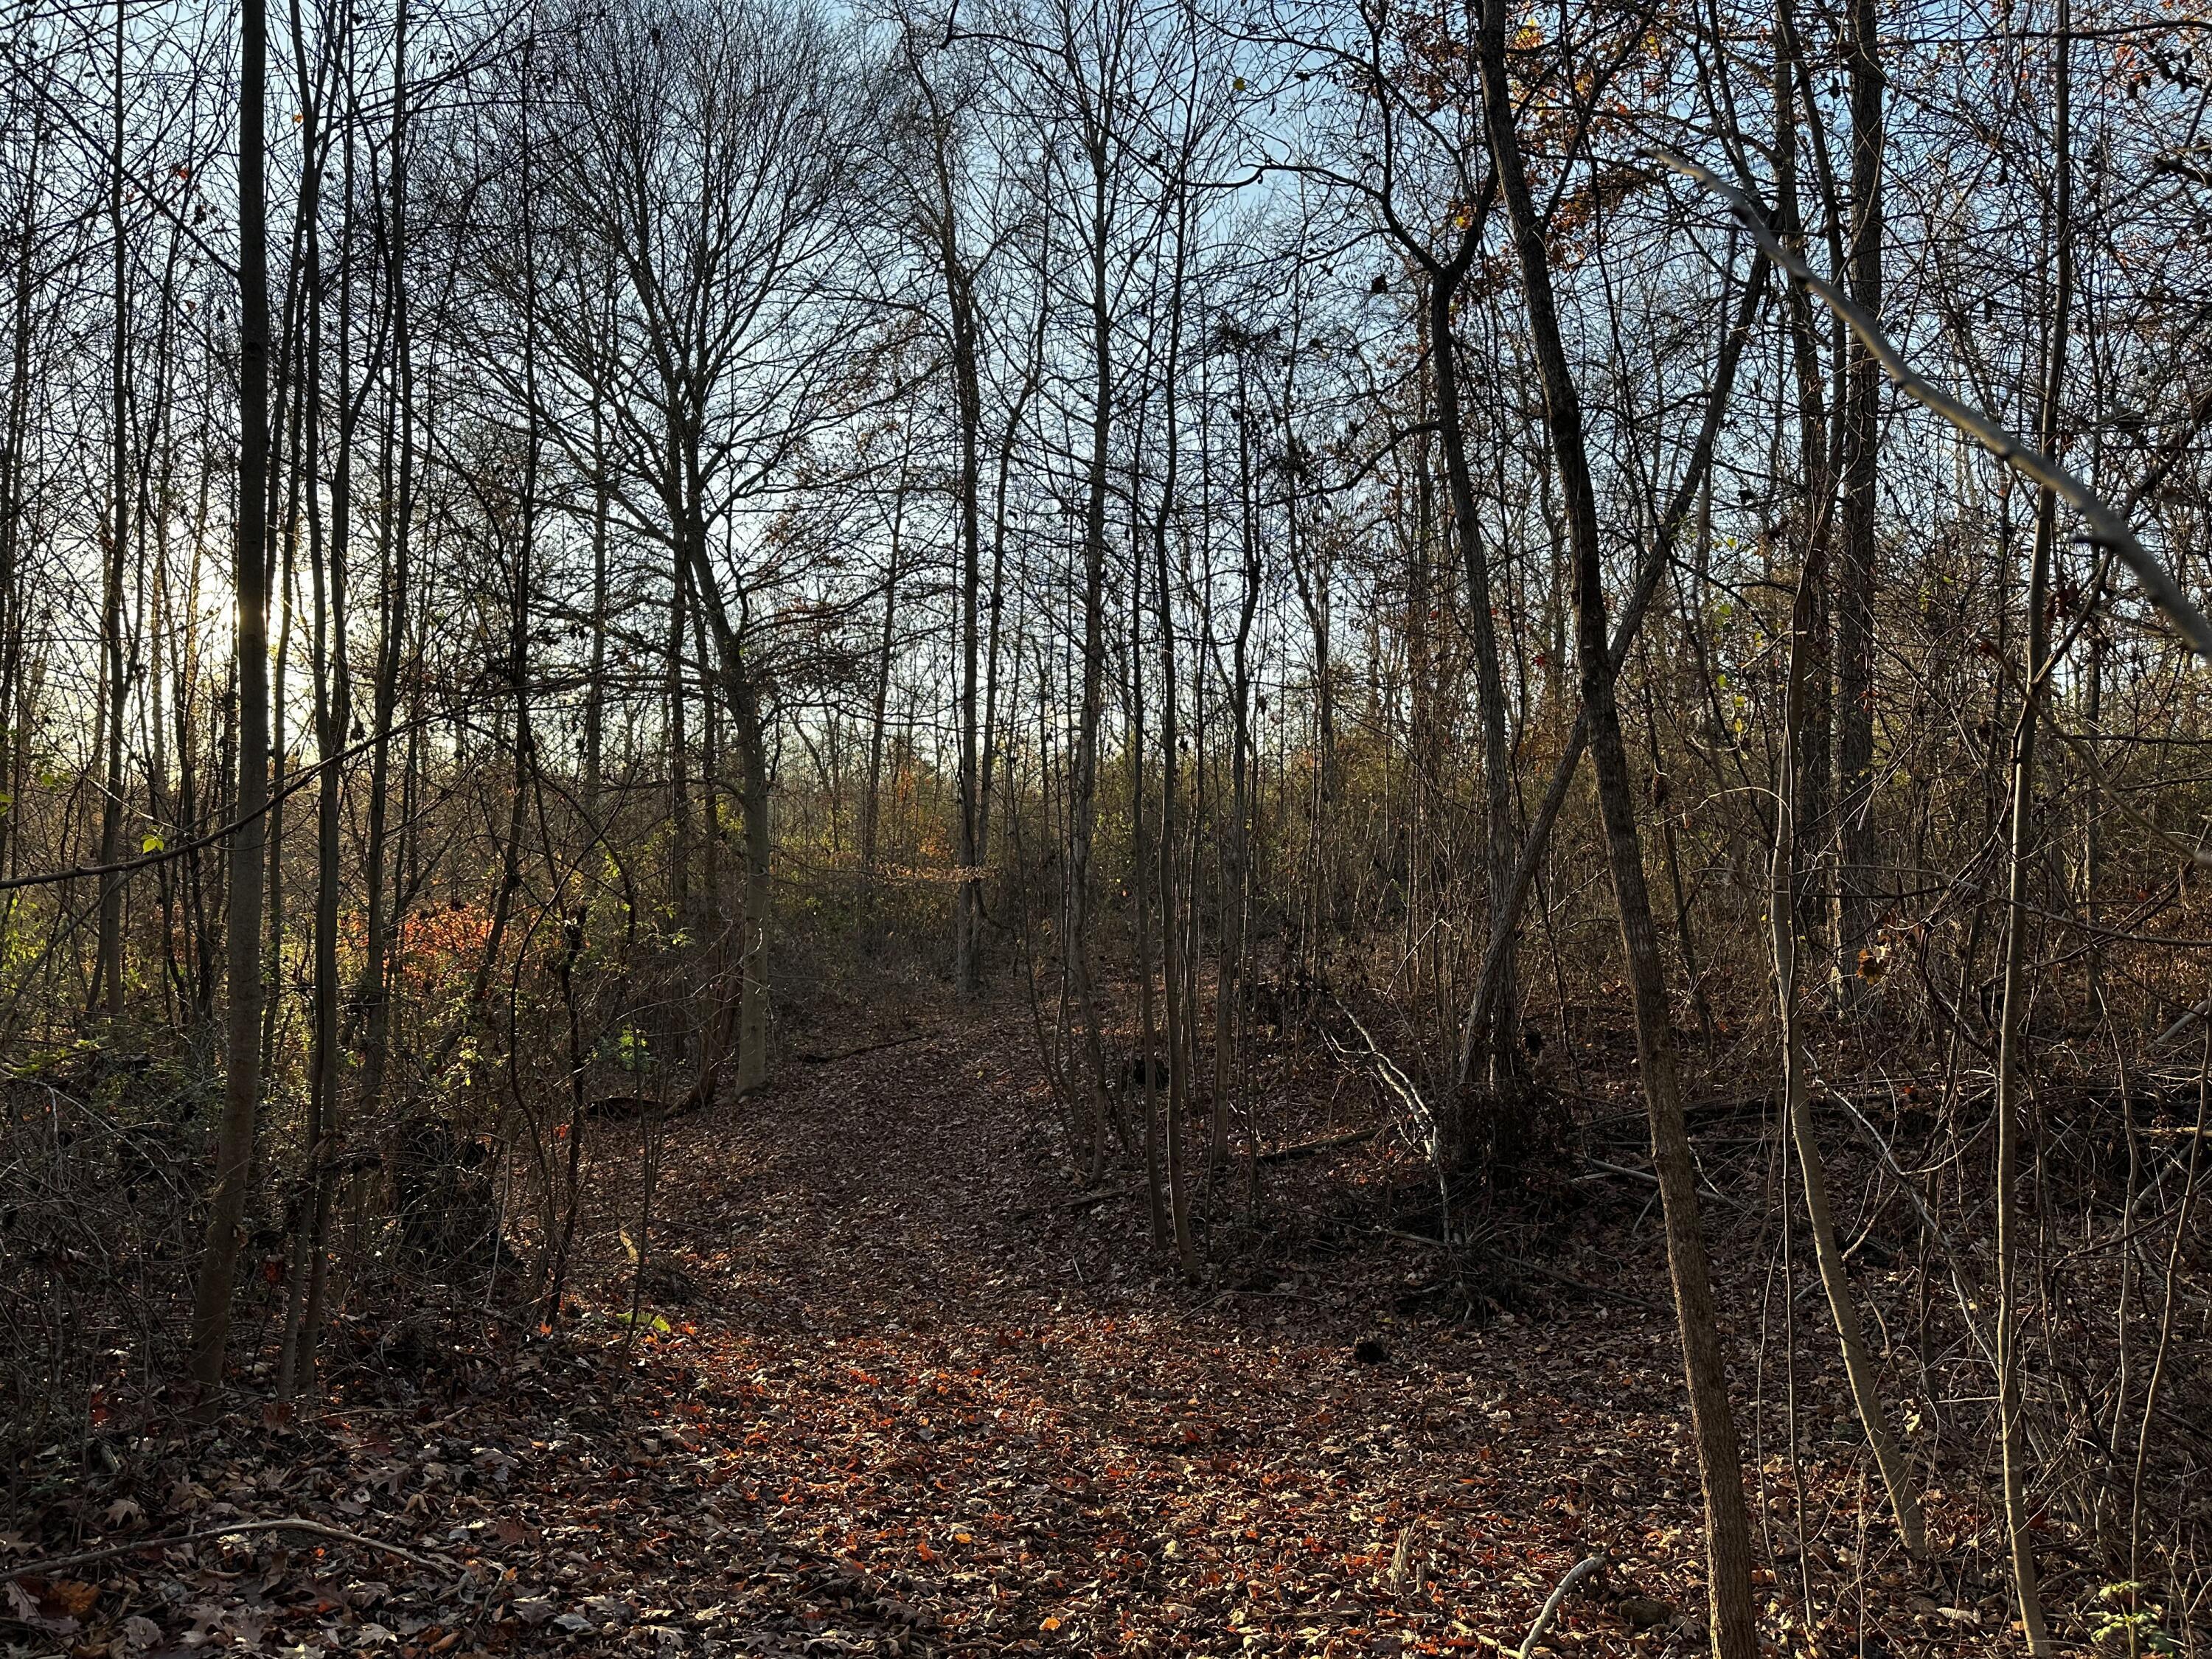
991, 1422
890, 1393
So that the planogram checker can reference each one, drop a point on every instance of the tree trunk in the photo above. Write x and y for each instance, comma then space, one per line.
1785, 913
872, 800
1492, 1042
393, 604
1230, 977
1862, 459
333, 694
1813, 738
1171, 918
108, 973
1727, 1532
967, 894
1083, 779
242, 1076
2012, 1034
741, 697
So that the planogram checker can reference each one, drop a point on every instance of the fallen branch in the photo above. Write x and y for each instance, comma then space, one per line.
1395, 1078
810, 1059
1587, 1288
1351, 1136
47, 1568
1704, 1180
1084, 1200
1696, 1111
1582, 1570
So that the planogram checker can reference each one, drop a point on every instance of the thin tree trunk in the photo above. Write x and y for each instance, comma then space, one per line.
1148, 1058
679, 766
1492, 1052
1785, 915
872, 800
1172, 963
1862, 461
1813, 738
107, 973
1230, 978
1727, 1532
1083, 781
393, 605
967, 400
2012, 1033
333, 716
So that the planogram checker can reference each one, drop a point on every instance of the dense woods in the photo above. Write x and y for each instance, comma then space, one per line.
1593, 613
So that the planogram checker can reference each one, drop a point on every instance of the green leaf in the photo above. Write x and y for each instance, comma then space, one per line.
154, 843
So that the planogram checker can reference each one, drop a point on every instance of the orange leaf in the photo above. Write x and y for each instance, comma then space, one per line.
71, 1598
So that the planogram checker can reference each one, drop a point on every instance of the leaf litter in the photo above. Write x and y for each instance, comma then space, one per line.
893, 1391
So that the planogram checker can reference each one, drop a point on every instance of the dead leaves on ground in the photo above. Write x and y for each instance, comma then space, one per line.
883, 1418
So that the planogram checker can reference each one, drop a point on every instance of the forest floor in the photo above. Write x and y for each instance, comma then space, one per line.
890, 1390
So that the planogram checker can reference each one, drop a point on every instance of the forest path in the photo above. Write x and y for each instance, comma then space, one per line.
889, 1392
923, 1403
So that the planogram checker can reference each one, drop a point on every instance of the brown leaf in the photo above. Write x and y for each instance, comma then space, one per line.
68, 1598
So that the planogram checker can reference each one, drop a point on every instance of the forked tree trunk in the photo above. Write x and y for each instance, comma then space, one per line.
1491, 980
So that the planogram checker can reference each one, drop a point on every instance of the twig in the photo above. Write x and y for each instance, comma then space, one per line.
1576, 1574
290, 1523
